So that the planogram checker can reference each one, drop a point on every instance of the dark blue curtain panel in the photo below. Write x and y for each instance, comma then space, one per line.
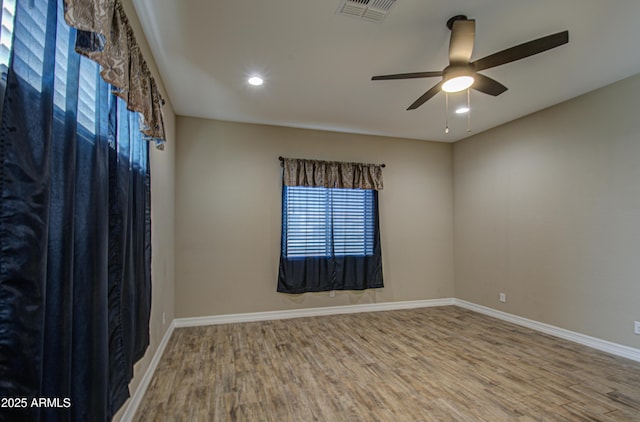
75, 229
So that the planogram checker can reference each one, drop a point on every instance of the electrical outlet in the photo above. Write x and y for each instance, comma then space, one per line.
332, 293
164, 318
503, 297
636, 327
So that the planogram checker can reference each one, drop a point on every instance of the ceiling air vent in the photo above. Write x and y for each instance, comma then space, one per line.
371, 10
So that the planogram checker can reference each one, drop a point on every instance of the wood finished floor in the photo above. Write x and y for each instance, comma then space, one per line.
429, 364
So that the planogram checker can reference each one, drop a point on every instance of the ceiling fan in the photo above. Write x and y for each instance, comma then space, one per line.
463, 73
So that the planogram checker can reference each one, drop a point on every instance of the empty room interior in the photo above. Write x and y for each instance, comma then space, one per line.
334, 231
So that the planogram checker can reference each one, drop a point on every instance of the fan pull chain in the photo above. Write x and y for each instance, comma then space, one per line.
468, 110
446, 112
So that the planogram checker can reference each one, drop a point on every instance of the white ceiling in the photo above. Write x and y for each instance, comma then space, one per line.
317, 64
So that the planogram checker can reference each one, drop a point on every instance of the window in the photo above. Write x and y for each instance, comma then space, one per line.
330, 235
7, 12
326, 222
6, 32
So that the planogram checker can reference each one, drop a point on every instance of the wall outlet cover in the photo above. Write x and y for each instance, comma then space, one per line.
636, 327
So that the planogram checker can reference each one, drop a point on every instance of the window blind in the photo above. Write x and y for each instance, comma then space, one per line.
6, 32
324, 222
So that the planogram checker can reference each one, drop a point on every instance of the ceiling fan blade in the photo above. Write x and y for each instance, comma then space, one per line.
463, 35
487, 85
423, 99
407, 76
523, 50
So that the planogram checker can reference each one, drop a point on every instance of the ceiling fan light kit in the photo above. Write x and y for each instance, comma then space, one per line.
457, 78
462, 73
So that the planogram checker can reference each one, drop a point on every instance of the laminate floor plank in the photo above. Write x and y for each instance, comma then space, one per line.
427, 364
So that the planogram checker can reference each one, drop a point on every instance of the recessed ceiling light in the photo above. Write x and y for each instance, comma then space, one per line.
255, 80
462, 110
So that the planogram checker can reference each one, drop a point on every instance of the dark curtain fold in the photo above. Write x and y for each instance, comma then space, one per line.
75, 246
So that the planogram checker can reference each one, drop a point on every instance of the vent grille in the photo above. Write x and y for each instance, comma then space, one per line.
371, 10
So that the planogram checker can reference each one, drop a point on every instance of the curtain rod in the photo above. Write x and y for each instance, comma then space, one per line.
281, 158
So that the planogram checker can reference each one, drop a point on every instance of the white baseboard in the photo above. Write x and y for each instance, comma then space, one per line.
137, 396
596, 343
310, 312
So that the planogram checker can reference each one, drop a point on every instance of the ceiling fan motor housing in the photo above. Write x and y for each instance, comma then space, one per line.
456, 70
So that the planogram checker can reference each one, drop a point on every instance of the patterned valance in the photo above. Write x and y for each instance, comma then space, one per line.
105, 36
332, 174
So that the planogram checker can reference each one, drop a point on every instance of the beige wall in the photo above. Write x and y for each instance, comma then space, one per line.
228, 205
547, 210
162, 223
